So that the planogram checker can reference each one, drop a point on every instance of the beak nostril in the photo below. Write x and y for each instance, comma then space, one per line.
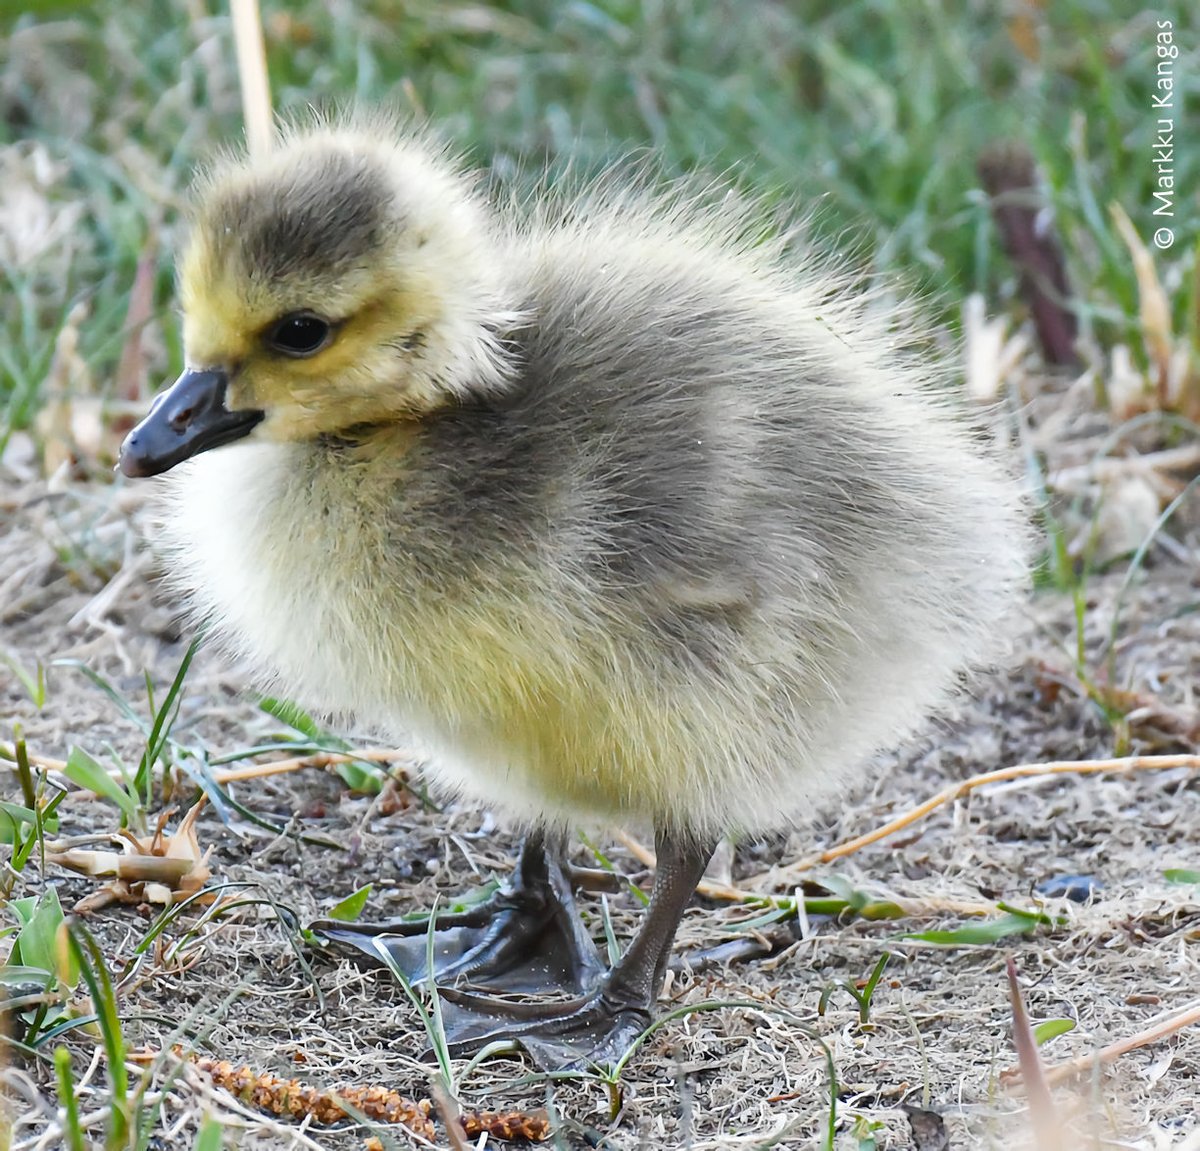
188, 418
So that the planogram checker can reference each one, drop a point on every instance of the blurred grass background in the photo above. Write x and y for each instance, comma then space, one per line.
877, 112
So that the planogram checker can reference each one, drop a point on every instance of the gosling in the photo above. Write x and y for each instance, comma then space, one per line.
615, 507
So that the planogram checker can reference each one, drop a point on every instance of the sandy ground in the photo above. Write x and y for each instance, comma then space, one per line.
925, 1073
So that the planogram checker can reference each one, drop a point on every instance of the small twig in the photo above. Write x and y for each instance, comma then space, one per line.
706, 887
1182, 459
1125, 766
131, 368
321, 759
1154, 309
785, 876
1177, 1021
8, 757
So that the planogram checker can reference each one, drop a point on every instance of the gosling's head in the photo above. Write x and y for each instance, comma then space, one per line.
347, 280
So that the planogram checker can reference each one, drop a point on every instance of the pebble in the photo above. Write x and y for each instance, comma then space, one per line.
1077, 888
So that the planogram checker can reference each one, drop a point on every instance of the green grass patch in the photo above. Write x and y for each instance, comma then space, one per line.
873, 114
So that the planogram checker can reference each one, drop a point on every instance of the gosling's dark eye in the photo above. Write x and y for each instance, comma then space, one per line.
300, 334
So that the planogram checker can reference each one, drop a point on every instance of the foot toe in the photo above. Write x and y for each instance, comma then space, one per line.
574, 1034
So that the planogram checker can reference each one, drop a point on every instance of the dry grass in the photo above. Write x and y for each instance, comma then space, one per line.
939, 1031
1106, 665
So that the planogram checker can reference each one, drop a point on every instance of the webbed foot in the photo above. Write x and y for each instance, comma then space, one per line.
526, 938
529, 938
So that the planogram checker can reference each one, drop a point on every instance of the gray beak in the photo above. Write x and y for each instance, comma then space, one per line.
189, 418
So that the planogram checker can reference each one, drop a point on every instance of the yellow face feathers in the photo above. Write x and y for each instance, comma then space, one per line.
342, 281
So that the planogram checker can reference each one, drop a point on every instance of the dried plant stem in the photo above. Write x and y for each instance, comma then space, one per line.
289, 1099
1125, 766
252, 73
1154, 308
448, 1111
712, 890
320, 759
1033, 1075
775, 877
1073, 479
786, 876
706, 887
1009, 174
8, 757
1177, 1021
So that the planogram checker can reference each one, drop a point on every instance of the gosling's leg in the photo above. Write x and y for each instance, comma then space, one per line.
526, 938
600, 1026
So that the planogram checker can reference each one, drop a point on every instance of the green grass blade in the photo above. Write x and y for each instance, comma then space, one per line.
349, 909
90, 774
978, 934
299, 720
209, 1137
1181, 875
72, 1132
34, 684
1050, 1029
164, 719
100, 986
